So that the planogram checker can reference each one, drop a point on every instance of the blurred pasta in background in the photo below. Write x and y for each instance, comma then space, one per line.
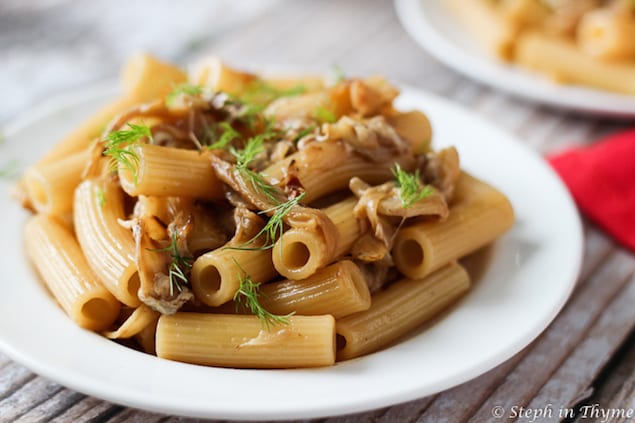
585, 42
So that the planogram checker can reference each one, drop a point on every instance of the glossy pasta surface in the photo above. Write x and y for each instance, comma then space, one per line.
222, 218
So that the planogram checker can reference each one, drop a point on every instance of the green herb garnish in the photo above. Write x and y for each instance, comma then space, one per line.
183, 89
324, 115
303, 133
250, 114
338, 74
179, 265
261, 92
252, 149
10, 170
248, 295
101, 197
410, 188
118, 147
229, 135
244, 157
275, 225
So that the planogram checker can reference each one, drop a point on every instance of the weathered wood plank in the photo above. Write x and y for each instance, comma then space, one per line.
458, 403
500, 109
562, 337
4, 360
51, 407
136, 416
566, 387
12, 376
618, 389
407, 412
29, 395
88, 410
597, 248
358, 417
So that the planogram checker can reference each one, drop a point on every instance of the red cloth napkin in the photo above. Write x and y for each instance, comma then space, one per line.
601, 178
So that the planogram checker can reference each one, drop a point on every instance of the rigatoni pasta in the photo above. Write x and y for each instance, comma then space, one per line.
56, 255
242, 221
573, 42
399, 309
108, 247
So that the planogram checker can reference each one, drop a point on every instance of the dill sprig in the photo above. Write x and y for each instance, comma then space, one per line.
254, 147
183, 89
248, 295
262, 92
229, 135
338, 73
274, 227
101, 197
244, 157
250, 114
303, 133
324, 115
410, 188
179, 265
10, 169
117, 147
260, 184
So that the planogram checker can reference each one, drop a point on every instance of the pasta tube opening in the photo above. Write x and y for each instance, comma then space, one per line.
480, 214
132, 283
216, 276
399, 309
94, 311
298, 256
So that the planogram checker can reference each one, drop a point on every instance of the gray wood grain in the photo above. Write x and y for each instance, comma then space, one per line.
81, 42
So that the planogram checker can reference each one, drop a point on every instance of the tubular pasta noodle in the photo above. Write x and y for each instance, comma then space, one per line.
479, 215
298, 254
56, 255
160, 172
216, 275
338, 290
144, 79
241, 341
329, 168
399, 309
109, 248
50, 186
562, 61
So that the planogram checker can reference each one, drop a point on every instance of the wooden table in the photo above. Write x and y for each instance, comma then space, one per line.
585, 358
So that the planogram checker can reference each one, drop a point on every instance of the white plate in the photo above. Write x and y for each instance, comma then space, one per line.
433, 27
531, 273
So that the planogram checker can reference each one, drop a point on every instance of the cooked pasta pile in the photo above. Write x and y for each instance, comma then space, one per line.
587, 42
227, 219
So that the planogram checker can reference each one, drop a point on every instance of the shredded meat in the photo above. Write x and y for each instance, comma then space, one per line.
156, 290
385, 199
377, 274
442, 171
373, 138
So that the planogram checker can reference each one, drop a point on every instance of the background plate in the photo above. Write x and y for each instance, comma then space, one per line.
435, 29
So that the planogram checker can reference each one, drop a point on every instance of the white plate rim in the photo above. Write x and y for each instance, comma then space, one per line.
422, 28
292, 411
